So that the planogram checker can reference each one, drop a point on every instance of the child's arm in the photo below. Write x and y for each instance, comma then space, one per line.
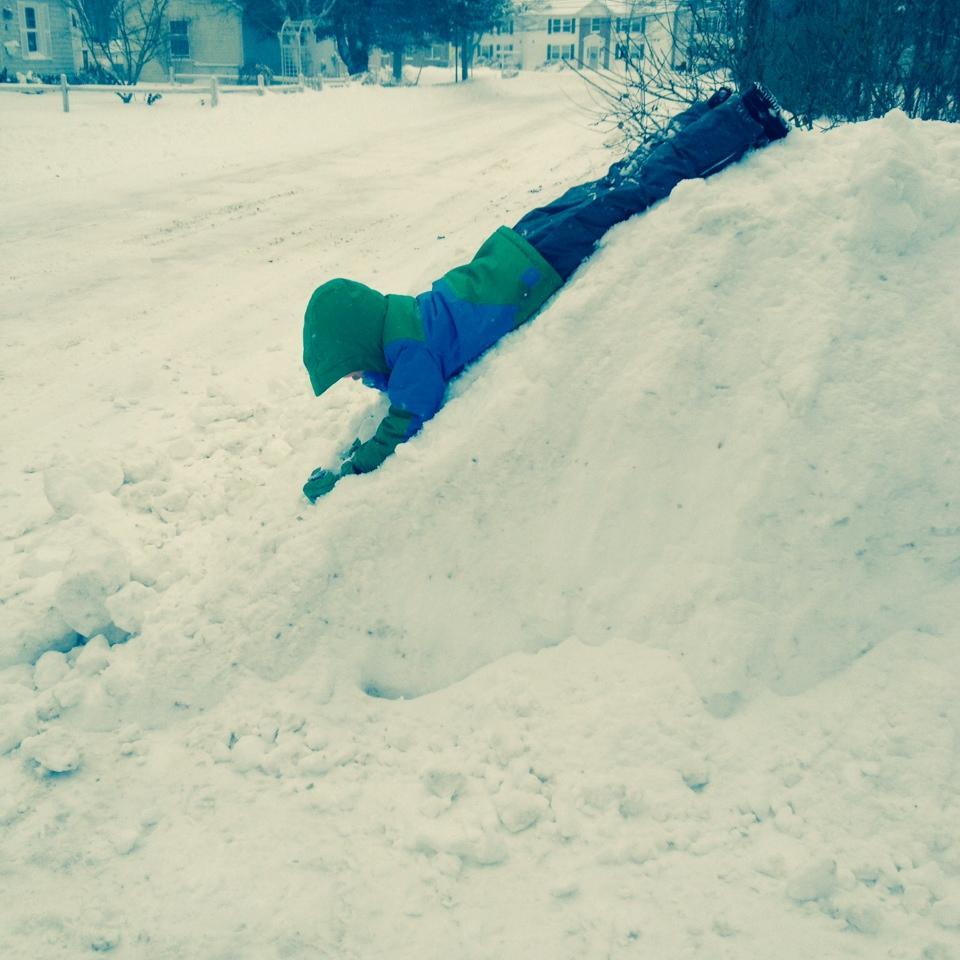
415, 388
398, 425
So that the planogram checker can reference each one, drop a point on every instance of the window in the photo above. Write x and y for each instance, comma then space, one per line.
30, 20
179, 40
557, 51
595, 24
34, 31
504, 28
634, 52
628, 25
561, 25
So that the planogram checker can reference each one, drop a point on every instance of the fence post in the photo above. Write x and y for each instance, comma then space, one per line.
66, 93
172, 76
214, 90
301, 83
259, 84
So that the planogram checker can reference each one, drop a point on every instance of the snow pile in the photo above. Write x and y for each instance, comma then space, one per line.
744, 453
718, 469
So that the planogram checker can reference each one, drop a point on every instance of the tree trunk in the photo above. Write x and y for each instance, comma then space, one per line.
465, 57
398, 63
753, 52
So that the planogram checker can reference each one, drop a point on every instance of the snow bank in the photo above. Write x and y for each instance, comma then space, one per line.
731, 436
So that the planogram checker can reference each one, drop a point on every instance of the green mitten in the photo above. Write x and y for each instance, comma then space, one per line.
320, 482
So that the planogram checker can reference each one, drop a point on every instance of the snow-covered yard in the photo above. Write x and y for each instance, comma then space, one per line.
646, 647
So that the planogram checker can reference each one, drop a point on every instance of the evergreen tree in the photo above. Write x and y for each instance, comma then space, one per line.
351, 24
463, 21
267, 16
399, 24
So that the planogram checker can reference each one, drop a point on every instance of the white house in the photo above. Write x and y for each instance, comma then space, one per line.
598, 34
201, 38
205, 37
42, 38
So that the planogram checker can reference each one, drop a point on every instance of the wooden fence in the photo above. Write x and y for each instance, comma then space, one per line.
212, 89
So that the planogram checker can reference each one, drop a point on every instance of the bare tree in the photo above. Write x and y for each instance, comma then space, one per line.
662, 62
123, 35
828, 61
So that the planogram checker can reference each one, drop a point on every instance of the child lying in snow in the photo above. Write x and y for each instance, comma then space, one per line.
411, 347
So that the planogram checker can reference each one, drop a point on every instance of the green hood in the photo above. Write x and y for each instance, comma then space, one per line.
343, 332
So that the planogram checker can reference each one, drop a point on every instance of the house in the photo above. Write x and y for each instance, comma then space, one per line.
202, 38
205, 37
600, 34
212, 37
39, 38
438, 53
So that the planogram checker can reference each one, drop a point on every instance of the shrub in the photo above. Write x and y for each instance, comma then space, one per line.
250, 71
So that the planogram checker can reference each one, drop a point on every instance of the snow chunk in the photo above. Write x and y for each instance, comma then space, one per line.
863, 917
248, 753
814, 882
92, 575
105, 941
129, 606
30, 625
446, 784
519, 810
472, 845
52, 752
16, 722
51, 668
70, 485
94, 656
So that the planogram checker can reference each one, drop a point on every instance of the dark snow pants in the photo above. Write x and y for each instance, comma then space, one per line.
701, 141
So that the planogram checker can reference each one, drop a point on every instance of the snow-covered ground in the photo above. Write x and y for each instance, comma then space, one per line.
646, 647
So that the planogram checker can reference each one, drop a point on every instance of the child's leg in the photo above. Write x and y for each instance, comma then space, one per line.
629, 165
715, 140
574, 197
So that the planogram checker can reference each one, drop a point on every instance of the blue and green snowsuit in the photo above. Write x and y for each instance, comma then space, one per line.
411, 347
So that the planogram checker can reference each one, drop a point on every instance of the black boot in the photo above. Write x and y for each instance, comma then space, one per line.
762, 105
720, 95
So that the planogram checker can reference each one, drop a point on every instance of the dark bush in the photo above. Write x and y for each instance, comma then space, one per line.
250, 71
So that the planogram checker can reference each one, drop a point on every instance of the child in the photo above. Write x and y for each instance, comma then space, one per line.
411, 347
